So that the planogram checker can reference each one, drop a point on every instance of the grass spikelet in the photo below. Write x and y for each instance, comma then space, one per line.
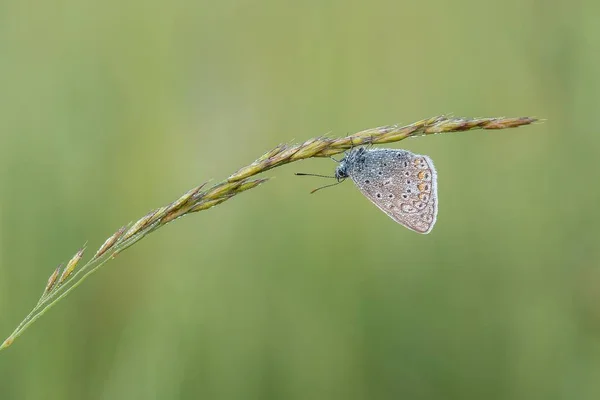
110, 242
140, 224
52, 281
70, 266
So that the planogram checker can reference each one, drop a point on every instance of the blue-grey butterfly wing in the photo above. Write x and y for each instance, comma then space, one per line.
401, 184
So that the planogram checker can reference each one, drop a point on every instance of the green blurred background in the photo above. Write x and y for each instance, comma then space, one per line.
109, 109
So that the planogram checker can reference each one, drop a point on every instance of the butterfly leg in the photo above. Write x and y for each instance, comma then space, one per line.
370, 143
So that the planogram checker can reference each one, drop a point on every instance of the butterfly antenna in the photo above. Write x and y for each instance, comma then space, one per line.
323, 187
320, 176
317, 175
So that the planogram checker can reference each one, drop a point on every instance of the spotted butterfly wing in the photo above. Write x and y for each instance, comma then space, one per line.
400, 183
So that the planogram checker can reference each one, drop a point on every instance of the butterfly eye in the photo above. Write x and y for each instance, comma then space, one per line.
378, 195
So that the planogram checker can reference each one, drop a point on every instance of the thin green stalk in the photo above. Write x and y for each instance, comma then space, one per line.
63, 281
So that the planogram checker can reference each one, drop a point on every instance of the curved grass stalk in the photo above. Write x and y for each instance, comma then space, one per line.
63, 281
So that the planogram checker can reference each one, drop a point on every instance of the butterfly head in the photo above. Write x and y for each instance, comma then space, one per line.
346, 163
341, 172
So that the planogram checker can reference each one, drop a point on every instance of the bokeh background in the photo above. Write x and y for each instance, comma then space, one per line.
109, 109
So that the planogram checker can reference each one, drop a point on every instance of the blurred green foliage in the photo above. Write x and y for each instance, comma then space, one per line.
109, 109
